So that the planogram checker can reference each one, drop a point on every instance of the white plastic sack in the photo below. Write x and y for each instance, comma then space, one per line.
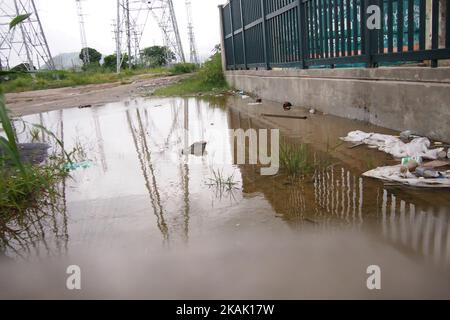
418, 147
392, 174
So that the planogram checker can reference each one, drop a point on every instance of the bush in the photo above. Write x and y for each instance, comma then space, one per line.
181, 68
211, 72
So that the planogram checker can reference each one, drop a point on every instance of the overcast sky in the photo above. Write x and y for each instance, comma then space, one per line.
60, 23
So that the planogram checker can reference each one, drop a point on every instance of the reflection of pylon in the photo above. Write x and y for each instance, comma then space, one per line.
192, 44
26, 43
84, 46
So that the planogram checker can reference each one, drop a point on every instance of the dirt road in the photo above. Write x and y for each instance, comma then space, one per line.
97, 94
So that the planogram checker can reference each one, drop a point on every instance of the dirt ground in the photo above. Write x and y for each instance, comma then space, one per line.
30, 102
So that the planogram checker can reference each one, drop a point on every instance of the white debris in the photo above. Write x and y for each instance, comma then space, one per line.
393, 174
418, 147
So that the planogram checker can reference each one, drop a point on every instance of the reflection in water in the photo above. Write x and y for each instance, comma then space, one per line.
148, 172
339, 195
139, 140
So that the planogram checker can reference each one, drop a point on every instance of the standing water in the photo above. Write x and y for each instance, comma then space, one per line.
141, 220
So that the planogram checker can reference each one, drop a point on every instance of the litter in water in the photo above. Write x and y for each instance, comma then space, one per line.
418, 147
197, 149
394, 174
78, 165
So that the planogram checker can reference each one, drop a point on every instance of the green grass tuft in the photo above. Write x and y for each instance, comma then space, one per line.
294, 159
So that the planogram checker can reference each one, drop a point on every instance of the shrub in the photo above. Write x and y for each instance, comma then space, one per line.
181, 68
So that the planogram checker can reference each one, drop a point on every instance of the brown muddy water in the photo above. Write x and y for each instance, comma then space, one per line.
140, 222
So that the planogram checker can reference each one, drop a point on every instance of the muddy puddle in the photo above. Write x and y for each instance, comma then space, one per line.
143, 222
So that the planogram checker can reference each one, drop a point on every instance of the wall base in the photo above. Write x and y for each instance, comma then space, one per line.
405, 98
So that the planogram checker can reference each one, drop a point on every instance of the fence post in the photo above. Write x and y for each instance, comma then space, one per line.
265, 40
222, 39
232, 34
372, 36
302, 33
244, 50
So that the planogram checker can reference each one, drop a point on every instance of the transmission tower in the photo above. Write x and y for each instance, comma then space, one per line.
164, 14
26, 43
84, 46
132, 18
192, 44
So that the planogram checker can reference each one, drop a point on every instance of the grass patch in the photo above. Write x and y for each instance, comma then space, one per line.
23, 185
294, 159
209, 79
190, 86
59, 79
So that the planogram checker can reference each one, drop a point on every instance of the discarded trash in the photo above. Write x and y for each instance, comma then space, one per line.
312, 111
406, 135
406, 160
418, 147
78, 165
287, 106
442, 155
259, 100
254, 103
283, 116
85, 106
448, 153
197, 149
393, 174
427, 172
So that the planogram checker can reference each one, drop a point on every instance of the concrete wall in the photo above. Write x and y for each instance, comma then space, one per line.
396, 98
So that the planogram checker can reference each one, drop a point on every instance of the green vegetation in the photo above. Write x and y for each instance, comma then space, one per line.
222, 181
94, 57
294, 159
23, 185
181, 68
157, 56
59, 79
209, 79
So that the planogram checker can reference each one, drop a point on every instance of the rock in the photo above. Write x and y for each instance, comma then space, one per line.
31, 153
258, 100
405, 135
427, 172
442, 155
412, 165
403, 170
287, 106
197, 149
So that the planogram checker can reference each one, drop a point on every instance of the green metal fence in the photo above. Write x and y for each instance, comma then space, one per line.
305, 33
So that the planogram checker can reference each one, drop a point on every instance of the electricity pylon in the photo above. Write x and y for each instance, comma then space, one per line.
192, 44
26, 43
132, 18
84, 46
164, 14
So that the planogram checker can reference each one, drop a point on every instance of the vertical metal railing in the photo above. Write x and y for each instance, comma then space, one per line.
305, 33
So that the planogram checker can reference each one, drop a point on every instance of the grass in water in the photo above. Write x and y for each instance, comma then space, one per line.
222, 181
294, 159
23, 185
